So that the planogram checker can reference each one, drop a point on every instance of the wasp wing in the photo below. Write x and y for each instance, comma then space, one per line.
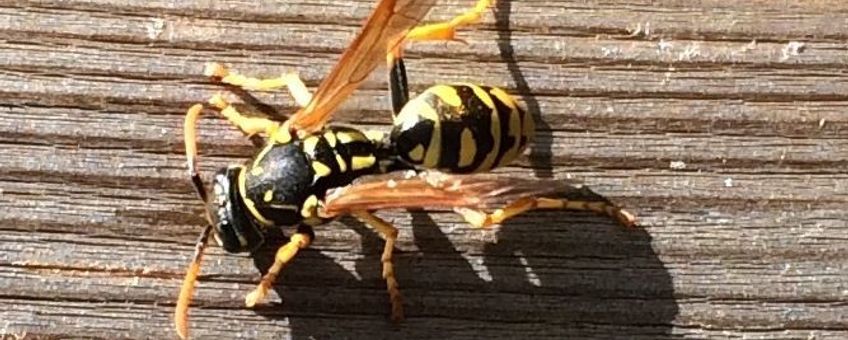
383, 30
439, 190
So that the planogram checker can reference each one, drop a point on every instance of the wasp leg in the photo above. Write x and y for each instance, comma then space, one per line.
447, 30
481, 219
442, 31
290, 80
300, 240
390, 233
398, 86
249, 125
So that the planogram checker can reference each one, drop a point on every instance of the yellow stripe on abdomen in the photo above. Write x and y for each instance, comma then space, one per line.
495, 129
467, 148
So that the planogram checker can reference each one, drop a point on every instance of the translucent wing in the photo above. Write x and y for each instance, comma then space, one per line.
383, 30
439, 190
485, 191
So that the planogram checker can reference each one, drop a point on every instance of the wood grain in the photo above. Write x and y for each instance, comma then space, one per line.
722, 125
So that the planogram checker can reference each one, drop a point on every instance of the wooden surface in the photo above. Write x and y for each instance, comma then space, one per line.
724, 127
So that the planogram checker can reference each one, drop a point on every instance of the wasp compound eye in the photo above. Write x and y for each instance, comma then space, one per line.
234, 229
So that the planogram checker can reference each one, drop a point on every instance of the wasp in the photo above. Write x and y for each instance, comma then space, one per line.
437, 155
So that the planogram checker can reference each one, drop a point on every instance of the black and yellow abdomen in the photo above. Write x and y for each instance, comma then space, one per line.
461, 128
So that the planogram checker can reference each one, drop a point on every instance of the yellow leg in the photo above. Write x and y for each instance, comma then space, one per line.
481, 219
250, 125
290, 80
390, 233
440, 31
284, 255
447, 30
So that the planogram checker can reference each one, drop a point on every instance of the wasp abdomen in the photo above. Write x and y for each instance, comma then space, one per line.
461, 128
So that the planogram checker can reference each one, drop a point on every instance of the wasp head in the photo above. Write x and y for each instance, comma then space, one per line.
235, 230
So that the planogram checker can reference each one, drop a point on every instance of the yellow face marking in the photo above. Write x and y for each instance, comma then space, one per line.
248, 203
309, 145
482, 95
269, 195
375, 135
257, 171
342, 164
467, 148
321, 170
309, 206
362, 162
331, 138
347, 137
447, 94
417, 153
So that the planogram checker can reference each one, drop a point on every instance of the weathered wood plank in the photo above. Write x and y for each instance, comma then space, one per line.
722, 125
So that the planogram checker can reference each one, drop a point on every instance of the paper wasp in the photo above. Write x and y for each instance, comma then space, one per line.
308, 173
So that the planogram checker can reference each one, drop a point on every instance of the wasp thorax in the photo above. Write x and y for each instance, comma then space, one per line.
277, 182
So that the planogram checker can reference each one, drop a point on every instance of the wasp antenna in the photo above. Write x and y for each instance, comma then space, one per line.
190, 138
199, 187
187, 289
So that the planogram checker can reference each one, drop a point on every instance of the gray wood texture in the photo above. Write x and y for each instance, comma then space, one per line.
722, 125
